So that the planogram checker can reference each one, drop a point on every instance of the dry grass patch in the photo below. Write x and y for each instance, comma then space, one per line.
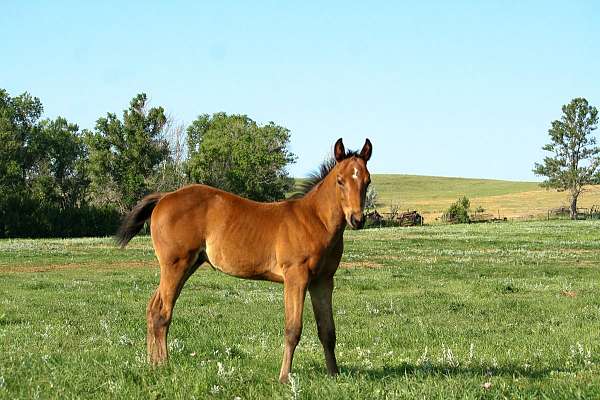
79, 266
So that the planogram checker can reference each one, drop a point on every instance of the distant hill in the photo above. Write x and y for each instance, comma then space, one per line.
431, 195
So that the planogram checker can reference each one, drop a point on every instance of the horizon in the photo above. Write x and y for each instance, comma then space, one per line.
450, 90
448, 177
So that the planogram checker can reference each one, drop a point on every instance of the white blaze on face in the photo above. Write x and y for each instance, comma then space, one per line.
355, 174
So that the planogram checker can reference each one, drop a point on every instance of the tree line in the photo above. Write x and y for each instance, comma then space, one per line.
59, 180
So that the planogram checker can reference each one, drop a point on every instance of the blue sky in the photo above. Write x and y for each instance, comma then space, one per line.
441, 88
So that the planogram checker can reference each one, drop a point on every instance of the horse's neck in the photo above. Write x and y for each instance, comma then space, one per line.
323, 200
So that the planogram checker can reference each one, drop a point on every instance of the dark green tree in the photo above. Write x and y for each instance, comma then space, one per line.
59, 176
42, 175
575, 161
124, 155
234, 153
19, 137
19, 134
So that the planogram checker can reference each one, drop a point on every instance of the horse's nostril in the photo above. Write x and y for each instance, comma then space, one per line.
357, 223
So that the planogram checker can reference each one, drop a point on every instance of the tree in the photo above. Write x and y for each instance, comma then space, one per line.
19, 137
394, 210
171, 173
60, 176
43, 179
234, 153
371, 199
576, 161
124, 155
458, 212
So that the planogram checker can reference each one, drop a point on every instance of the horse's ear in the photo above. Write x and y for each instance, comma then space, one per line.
339, 151
366, 151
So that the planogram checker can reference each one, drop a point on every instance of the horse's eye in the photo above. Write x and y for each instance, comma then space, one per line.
340, 181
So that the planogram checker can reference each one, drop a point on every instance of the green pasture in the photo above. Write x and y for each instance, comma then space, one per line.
439, 312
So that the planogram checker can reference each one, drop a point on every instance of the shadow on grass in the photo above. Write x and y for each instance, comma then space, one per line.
424, 370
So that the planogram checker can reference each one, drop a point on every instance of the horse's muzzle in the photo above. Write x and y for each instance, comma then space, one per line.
357, 223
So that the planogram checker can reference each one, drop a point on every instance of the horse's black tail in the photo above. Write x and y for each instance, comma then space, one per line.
133, 222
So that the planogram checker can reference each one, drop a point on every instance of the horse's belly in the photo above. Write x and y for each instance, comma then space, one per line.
242, 266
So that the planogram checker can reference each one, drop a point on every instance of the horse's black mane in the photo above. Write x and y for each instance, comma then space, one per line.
316, 177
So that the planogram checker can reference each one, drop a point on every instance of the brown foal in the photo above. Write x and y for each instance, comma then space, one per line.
298, 242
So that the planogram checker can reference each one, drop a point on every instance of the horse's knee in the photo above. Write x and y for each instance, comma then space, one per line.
158, 313
162, 318
292, 335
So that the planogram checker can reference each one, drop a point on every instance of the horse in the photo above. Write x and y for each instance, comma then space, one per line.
297, 242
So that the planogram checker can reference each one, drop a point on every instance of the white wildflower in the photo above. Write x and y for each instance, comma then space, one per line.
295, 385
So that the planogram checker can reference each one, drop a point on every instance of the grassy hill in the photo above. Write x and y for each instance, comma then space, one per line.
431, 195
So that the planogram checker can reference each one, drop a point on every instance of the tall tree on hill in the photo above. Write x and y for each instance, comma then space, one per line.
576, 159
125, 154
234, 153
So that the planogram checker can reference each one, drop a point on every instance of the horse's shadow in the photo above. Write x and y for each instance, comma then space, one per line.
425, 370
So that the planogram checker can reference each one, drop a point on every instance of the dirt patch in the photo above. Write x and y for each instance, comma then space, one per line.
75, 266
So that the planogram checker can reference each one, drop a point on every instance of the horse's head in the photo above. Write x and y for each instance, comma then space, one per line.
352, 180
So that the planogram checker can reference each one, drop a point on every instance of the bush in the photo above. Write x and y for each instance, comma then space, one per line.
458, 213
384, 223
24, 217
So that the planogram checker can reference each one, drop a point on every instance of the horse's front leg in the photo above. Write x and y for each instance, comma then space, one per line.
320, 295
295, 282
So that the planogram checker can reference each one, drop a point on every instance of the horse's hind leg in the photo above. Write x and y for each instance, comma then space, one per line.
159, 312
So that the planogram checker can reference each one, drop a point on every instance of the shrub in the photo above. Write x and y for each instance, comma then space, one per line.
25, 217
458, 213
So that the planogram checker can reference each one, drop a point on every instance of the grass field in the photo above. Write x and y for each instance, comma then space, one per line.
432, 195
424, 312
